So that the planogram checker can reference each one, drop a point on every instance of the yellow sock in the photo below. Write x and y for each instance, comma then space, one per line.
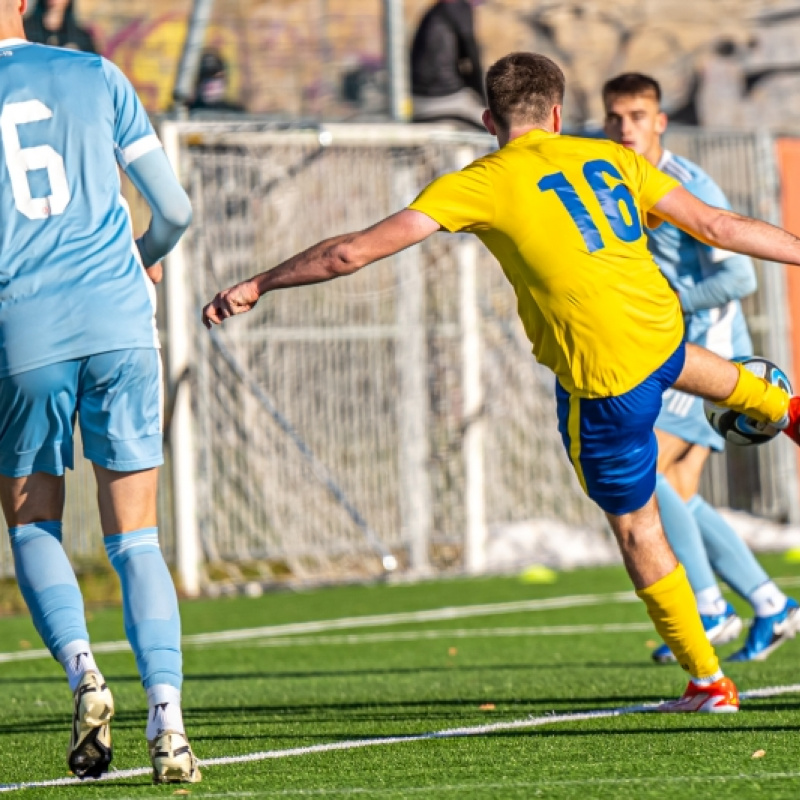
757, 398
673, 609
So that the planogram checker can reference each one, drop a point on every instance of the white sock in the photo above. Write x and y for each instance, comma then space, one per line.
767, 600
77, 663
164, 710
709, 680
710, 602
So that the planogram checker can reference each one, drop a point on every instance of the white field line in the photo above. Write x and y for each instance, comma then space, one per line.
350, 623
445, 633
354, 744
374, 621
439, 789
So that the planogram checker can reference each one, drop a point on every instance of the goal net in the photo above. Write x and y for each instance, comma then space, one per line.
396, 412
392, 418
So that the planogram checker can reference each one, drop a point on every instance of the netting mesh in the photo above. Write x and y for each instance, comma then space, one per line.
336, 362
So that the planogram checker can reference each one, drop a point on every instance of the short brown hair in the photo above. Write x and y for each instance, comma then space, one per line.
524, 87
631, 84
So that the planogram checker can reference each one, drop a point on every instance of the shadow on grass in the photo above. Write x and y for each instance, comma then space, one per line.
437, 713
102, 787
202, 677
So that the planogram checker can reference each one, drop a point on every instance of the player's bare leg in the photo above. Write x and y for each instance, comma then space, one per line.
34, 498
645, 550
661, 583
33, 507
729, 384
128, 506
685, 472
680, 462
707, 375
680, 465
127, 500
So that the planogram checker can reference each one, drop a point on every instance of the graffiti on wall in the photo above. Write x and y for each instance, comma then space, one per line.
295, 59
148, 50
277, 61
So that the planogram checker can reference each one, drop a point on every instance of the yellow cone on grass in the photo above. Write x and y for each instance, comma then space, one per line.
538, 573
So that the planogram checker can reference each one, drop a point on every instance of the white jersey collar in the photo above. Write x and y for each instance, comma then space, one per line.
12, 42
666, 156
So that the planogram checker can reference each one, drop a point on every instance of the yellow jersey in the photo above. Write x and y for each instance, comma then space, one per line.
565, 218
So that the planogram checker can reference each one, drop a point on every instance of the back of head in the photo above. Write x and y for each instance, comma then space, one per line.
631, 84
522, 89
11, 12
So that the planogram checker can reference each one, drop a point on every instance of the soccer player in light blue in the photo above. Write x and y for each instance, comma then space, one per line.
78, 341
709, 284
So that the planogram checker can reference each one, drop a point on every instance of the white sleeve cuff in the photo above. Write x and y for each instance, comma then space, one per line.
718, 255
127, 155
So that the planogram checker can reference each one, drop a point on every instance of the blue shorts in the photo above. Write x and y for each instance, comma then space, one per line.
610, 440
116, 397
682, 415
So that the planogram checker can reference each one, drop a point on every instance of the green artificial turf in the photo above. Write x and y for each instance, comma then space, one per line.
399, 679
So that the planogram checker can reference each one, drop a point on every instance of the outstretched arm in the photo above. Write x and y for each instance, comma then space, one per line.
331, 258
726, 229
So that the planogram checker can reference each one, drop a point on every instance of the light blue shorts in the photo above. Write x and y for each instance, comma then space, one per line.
682, 415
116, 398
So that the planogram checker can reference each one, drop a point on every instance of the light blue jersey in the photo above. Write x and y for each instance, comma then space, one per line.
705, 278
709, 283
71, 280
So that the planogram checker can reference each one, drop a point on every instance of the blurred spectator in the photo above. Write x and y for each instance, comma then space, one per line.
446, 74
53, 22
211, 90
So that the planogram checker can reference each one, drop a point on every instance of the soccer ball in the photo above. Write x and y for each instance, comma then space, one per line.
737, 428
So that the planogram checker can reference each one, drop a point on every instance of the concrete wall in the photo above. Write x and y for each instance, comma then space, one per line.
734, 62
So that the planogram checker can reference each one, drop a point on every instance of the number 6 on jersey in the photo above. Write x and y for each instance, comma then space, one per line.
21, 160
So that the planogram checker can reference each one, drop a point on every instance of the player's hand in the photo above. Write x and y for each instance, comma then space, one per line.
155, 273
229, 302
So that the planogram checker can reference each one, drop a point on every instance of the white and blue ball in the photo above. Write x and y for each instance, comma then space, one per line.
737, 428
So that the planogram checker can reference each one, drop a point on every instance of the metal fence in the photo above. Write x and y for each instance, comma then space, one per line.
762, 480
394, 415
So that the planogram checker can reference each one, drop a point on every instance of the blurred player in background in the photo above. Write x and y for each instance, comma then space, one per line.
563, 216
211, 88
709, 283
53, 22
446, 72
78, 339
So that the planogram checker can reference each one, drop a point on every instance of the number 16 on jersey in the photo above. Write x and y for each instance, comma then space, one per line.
617, 203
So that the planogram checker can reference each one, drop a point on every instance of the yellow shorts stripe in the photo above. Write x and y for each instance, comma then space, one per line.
574, 431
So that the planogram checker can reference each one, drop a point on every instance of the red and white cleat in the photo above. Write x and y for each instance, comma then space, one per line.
720, 697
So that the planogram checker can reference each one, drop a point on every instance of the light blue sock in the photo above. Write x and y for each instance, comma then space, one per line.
684, 536
731, 558
149, 606
49, 587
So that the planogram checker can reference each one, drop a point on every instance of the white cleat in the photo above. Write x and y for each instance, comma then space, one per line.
90, 751
173, 759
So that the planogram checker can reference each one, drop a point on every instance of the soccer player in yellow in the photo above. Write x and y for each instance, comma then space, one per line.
565, 218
